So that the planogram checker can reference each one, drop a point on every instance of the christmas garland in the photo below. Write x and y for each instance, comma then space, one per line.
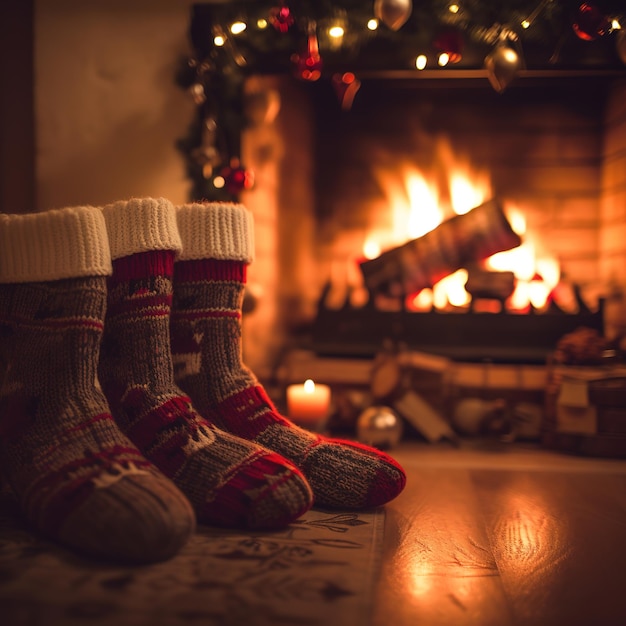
346, 41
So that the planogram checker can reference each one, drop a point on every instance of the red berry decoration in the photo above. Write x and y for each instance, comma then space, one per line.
308, 65
451, 42
281, 18
236, 178
590, 23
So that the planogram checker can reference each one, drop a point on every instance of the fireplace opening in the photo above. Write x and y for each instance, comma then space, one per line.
405, 160
339, 186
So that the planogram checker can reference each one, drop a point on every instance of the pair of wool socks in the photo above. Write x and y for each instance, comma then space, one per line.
174, 322
230, 481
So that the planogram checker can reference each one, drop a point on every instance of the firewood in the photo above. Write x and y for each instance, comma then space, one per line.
457, 242
424, 418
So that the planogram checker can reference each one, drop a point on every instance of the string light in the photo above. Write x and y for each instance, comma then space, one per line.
535, 14
219, 40
443, 59
421, 61
237, 28
454, 8
372, 24
336, 31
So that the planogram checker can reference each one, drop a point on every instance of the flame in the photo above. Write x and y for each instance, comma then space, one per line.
423, 209
419, 202
536, 276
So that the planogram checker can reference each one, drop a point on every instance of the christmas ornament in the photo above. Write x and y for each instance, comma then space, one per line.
281, 18
451, 42
393, 13
620, 45
236, 178
502, 65
346, 86
308, 65
379, 426
472, 416
590, 23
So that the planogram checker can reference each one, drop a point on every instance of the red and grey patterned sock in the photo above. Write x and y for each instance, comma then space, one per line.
79, 480
209, 281
230, 482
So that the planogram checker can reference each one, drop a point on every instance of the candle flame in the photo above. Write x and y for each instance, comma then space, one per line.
309, 386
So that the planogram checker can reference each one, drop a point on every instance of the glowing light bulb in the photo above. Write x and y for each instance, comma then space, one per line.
420, 61
238, 27
443, 59
261, 23
525, 24
336, 32
219, 40
372, 24
219, 182
454, 8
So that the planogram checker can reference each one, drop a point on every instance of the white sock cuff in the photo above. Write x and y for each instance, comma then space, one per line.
216, 230
54, 244
140, 225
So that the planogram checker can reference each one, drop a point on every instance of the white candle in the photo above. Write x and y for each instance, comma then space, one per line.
308, 404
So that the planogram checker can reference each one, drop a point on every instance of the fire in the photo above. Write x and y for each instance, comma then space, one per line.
420, 202
536, 277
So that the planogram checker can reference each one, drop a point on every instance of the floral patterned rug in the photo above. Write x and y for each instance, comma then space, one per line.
319, 571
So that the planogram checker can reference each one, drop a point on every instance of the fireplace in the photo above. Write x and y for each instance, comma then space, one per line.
328, 180
333, 181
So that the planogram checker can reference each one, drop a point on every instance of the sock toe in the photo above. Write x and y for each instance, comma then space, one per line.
345, 474
142, 518
266, 492
285, 496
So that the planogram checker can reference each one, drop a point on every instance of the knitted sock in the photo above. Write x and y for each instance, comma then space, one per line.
229, 481
79, 480
209, 282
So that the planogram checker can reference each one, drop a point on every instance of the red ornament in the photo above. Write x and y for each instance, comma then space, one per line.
346, 86
236, 178
590, 23
308, 65
281, 18
450, 42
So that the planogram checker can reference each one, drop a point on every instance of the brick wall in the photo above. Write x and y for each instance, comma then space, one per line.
613, 208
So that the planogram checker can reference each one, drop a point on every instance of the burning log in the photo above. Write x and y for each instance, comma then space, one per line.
457, 242
488, 284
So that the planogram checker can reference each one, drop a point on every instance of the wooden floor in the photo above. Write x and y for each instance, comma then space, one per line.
500, 536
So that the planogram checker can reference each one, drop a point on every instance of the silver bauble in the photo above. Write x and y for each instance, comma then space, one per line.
393, 13
379, 426
502, 65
